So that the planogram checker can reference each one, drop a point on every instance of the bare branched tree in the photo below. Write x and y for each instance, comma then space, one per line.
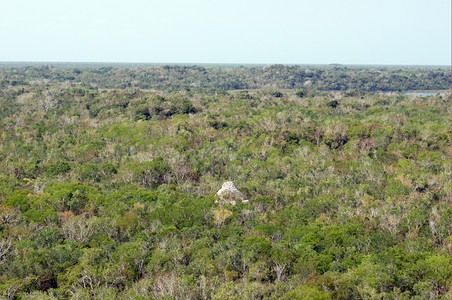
5, 246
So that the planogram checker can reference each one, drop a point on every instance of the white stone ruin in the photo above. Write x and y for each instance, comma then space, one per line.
230, 194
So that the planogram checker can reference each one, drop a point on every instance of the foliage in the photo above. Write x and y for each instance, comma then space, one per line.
108, 180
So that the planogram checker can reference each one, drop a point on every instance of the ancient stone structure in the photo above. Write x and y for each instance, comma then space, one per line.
229, 194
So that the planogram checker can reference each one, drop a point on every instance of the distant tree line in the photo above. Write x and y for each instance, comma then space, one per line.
175, 77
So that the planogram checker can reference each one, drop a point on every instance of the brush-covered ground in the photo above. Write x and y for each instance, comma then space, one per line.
110, 193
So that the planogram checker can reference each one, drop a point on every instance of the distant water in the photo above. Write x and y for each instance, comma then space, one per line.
424, 94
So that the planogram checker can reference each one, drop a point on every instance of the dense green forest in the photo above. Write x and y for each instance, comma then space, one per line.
108, 181
203, 78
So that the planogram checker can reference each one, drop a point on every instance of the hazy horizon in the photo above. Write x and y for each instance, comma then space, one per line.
290, 32
106, 63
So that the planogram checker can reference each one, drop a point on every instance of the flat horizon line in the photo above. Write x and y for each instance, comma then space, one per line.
2, 63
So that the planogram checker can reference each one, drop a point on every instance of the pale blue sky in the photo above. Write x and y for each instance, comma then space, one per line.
216, 31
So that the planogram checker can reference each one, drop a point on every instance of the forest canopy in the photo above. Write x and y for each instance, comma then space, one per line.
108, 177
202, 78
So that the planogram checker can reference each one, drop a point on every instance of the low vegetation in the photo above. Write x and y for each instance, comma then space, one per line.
108, 180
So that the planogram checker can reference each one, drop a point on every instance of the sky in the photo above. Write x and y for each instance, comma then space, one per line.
389, 32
